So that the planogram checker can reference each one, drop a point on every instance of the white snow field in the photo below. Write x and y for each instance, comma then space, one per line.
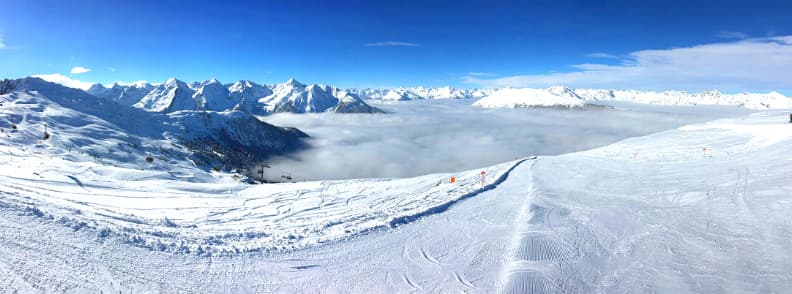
646, 214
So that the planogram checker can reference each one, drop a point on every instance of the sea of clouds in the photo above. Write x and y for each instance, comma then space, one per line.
430, 136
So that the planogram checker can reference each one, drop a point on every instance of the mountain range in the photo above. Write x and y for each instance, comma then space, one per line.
175, 95
296, 97
564, 97
172, 122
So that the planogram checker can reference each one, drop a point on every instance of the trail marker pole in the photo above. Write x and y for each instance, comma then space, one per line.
705, 152
483, 178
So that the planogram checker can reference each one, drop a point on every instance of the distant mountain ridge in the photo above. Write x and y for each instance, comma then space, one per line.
560, 96
247, 96
293, 96
217, 139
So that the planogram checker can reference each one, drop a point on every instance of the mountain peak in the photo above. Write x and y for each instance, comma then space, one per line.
174, 82
95, 88
293, 82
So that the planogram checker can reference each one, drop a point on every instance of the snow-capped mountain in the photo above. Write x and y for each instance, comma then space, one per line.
126, 95
213, 95
248, 93
97, 126
173, 95
293, 96
402, 94
527, 97
350, 103
566, 97
772, 100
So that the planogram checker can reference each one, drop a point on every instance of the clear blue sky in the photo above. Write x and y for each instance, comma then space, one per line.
365, 43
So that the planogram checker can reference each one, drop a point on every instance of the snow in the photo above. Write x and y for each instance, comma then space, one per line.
602, 220
413, 93
526, 97
566, 97
248, 93
212, 95
173, 95
124, 95
646, 214
104, 129
293, 96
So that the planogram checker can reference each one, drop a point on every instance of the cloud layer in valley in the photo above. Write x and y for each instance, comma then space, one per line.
421, 137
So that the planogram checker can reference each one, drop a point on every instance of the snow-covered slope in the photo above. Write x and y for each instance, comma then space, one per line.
526, 97
84, 123
648, 214
293, 96
126, 95
248, 93
212, 95
173, 95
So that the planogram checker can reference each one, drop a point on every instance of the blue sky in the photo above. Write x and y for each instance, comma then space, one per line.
400, 43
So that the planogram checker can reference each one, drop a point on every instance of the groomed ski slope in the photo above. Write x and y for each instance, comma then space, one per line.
647, 214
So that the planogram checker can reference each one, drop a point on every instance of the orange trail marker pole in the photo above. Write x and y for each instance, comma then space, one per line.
453, 179
483, 178
705, 152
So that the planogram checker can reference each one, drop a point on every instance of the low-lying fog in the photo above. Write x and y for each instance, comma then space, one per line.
429, 136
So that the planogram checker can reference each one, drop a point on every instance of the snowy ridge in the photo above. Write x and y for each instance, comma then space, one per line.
124, 95
567, 97
402, 94
175, 95
293, 96
526, 97
100, 130
250, 97
248, 94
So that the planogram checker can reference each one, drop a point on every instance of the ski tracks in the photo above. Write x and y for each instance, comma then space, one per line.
537, 251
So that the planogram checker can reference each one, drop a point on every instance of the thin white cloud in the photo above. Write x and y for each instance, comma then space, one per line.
732, 35
64, 80
602, 55
111, 69
2, 44
481, 74
759, 64
392, 44
79, 70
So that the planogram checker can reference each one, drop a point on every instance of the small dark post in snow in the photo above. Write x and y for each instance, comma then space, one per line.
46, 134
790, 118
